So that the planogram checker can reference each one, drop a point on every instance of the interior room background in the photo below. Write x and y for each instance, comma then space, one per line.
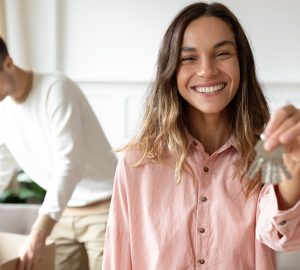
110, 49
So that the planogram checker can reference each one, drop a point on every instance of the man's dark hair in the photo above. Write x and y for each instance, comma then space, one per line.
3, 51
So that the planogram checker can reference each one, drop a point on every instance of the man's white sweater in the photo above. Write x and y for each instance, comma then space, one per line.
57, 140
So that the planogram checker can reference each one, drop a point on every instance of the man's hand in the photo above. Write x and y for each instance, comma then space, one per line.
32, 250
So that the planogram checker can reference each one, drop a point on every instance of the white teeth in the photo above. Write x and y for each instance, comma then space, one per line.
210, 89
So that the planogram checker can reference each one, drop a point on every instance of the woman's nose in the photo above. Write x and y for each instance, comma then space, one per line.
206, 68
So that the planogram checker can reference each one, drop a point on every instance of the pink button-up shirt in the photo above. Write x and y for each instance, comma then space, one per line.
155, 223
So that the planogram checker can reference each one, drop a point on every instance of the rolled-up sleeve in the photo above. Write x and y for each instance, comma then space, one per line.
280, 230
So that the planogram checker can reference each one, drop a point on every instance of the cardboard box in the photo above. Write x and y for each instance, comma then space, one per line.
9, 247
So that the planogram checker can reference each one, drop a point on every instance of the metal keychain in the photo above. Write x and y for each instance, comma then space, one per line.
270, 163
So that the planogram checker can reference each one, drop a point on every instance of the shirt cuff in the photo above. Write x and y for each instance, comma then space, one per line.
278, 229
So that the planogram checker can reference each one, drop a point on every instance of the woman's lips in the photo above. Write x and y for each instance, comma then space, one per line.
209, 89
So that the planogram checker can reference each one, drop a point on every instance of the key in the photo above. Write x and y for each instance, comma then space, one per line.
270, 163
255, 167
282, 168
267, 171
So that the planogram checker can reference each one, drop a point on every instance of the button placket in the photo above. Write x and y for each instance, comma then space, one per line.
203, 220
201, 232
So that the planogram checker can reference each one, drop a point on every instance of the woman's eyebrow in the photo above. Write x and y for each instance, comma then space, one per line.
217, 45
188, 49
223, 43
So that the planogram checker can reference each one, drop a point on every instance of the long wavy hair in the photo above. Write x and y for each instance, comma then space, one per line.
165, 117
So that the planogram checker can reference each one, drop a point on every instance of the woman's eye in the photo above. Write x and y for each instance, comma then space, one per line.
223, 55
187, 59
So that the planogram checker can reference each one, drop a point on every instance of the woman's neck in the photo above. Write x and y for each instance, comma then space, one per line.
211, 130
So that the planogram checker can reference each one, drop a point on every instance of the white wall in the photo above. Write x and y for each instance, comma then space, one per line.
118, 40
110, 49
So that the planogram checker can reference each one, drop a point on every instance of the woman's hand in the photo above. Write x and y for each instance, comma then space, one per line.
284, 128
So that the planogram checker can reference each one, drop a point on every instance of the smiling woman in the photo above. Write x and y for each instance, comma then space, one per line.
183, 174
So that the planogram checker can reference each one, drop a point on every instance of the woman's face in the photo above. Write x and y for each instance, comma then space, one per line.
208, 73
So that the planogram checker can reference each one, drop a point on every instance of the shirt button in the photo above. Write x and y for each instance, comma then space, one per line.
206, 169
201, 230
203, 199
281, 223
201, 261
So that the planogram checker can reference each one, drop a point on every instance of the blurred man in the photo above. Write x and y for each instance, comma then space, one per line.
48, 128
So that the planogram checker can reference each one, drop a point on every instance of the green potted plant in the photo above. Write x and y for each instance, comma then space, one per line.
23, 190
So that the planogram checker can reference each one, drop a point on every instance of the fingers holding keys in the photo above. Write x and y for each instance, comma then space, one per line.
283, 127
278, 117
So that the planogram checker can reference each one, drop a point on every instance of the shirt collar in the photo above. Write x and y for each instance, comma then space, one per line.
191, 141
